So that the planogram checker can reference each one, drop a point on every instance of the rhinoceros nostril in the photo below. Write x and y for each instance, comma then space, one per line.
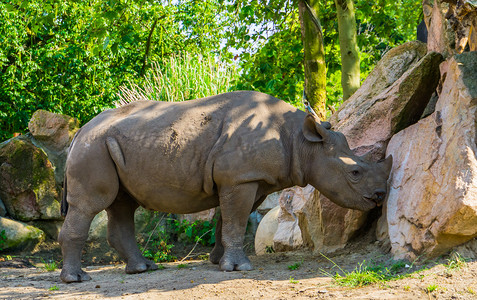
380, 195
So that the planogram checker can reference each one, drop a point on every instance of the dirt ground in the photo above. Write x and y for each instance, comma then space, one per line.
271, 279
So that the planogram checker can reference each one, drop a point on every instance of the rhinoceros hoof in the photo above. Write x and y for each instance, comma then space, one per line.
235, 262
146, 265
78, 276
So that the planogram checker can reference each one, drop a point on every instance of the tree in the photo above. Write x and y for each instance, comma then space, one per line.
314, 58
350, 80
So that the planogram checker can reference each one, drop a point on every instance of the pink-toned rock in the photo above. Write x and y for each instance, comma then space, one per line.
432, 204
440, 38
393, 97
451, 25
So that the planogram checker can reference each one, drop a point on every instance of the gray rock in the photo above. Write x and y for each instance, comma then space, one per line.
19, 235
27, 182
53, 133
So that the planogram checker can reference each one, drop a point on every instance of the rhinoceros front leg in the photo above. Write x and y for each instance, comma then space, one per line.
235, 205
121, 234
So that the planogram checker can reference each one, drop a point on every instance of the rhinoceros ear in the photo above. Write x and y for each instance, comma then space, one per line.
313, 131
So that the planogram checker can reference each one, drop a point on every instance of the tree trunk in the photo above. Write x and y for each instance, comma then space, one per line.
348, 47
315, 68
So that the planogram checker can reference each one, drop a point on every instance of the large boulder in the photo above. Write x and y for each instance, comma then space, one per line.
432, 204
393, 96
19, 235
53, 133
266, 231
27, 181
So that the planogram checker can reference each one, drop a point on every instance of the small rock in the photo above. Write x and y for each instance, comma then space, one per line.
20, 235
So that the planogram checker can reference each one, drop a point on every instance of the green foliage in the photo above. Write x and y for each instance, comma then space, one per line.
182, 77
54, 288
160, 251
158, 245
3, 239
72, 56
202, 232
181, 266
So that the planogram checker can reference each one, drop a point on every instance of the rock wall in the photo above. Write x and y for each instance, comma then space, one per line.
432, 204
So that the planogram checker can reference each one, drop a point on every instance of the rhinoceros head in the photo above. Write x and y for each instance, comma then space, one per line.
346, 179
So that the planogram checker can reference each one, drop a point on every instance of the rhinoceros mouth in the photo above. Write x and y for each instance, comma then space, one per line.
373, 200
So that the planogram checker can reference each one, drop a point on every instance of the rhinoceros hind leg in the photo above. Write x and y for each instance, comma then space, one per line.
218, 251
235, 205
121, 235
72, 237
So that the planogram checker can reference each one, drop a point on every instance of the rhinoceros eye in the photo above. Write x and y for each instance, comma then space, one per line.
355, 174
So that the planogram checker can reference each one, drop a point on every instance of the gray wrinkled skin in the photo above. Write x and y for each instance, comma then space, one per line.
229, 150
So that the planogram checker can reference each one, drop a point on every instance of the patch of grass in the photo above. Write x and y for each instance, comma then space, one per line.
181, 266
53, 288
160, 267
456, 262
431, 288
50, 266
366, 273
407, 288
292, 280
295, 266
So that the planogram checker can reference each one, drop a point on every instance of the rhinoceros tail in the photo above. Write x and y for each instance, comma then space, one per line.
64, 203
116, 152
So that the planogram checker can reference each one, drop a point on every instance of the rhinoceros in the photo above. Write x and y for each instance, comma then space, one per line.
228, 151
